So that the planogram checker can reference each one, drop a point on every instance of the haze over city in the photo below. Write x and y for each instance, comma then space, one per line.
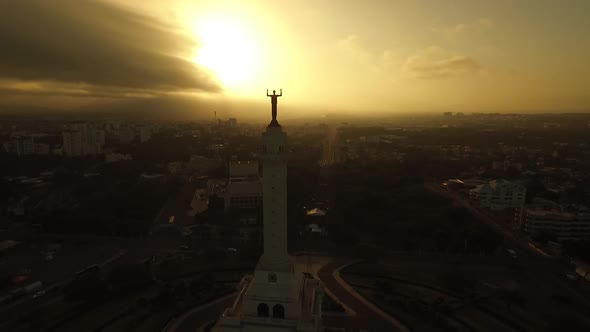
352, 57
294, 166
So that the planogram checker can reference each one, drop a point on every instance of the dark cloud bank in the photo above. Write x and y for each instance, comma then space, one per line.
91, 48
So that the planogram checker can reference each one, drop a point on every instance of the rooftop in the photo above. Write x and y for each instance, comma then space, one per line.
559, 214
243, 169
316, 212
6, 244
244, 188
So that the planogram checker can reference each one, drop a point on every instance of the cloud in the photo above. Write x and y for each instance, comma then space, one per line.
486, 23
352, 47
490, 50
461, 30
93, 48
434, 62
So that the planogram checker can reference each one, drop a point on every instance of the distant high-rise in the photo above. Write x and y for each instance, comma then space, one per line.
72, 143
100, 138
91, 138
26, 144
125, 134
145, 134
23, 145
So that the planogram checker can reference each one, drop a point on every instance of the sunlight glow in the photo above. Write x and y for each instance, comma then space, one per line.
227, 50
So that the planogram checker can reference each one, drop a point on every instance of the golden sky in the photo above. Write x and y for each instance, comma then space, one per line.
349, 55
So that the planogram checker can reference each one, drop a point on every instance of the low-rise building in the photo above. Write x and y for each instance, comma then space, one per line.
499, 194
114, 157
175, 167
244, 189
199, 165
245, 195
199, 203
571, 223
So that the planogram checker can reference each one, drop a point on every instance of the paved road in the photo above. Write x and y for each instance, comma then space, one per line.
78, 251
508, 234
329, 156
542, 268
52, 301
527, 251
192, 320
366, 317
177, 206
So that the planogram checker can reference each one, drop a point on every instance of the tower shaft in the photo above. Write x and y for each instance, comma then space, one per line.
274, 201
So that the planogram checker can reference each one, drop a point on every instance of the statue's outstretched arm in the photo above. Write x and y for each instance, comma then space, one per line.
281, 92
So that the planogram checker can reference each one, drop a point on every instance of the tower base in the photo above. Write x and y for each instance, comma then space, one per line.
292, 303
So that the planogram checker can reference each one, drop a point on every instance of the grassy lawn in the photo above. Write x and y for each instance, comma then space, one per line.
492, 295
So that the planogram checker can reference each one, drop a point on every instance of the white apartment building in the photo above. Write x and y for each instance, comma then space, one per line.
72, 143
91, 139
125, 135
145, 134
572, 224
499, 194
100, 136
244, 189
25, 144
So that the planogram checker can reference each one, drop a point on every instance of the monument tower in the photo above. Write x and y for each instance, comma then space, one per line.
275, 298
274, 195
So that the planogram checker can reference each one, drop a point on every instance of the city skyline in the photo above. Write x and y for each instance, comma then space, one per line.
395, 225
382, 56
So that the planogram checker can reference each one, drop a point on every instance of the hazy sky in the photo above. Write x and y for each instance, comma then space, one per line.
350, 55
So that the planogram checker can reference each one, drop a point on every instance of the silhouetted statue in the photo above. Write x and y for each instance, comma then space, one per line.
273, 102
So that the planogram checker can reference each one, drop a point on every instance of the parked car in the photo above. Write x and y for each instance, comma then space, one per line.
39, 294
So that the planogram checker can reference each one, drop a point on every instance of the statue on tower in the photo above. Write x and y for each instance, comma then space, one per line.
273, 102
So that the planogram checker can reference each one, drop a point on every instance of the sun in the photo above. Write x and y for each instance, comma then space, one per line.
226, 49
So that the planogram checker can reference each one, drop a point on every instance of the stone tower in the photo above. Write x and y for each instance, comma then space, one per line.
275, 298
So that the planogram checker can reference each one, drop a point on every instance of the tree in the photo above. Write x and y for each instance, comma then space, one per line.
512, 297
579, 249
91, 289
129, 278
459, 284
198, 286
142, 302
383, 286
164, 298
215, 256
485, 240
543, 236
534, 188
566, 323
345, 235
